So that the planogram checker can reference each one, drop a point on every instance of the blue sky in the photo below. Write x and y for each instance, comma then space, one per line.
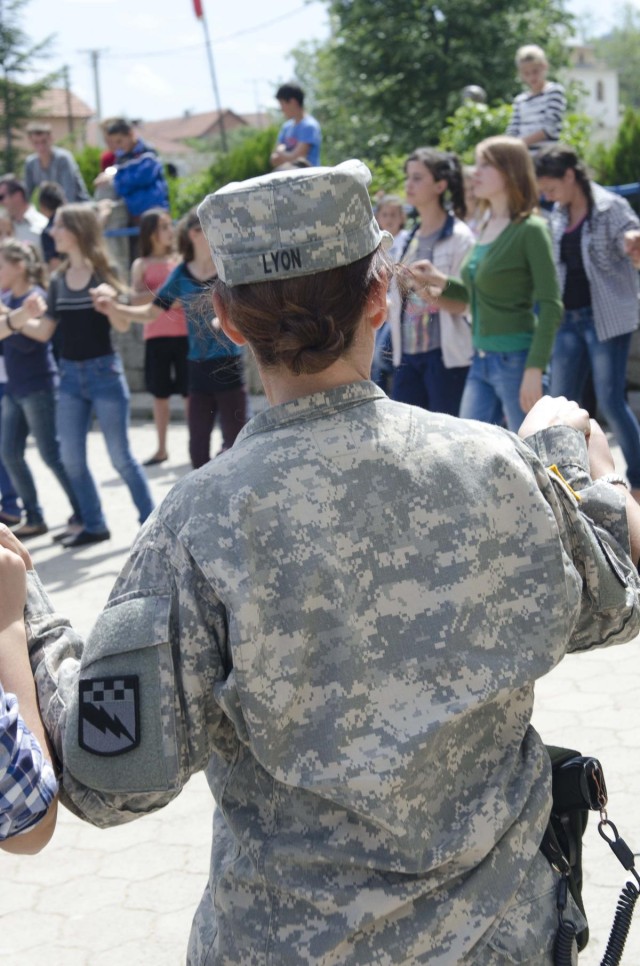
153, 62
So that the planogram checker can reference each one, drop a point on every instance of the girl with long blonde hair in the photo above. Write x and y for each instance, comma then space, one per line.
92, 379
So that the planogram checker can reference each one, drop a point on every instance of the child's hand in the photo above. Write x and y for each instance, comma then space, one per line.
555, 411
632, 246
35, 305
423, 277
9, 541
103, 297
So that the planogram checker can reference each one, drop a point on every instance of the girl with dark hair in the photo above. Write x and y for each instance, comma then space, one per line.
341, 620
432, 341
214, 366
92, 377
507, 273
599, 283
30, 401
165, 357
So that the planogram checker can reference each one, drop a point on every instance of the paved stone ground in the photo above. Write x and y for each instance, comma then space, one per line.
129, 893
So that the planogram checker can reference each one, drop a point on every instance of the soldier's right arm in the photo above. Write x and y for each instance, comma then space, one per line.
131, 714
597, 522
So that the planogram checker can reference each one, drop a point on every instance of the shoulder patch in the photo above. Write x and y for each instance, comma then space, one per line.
109, 715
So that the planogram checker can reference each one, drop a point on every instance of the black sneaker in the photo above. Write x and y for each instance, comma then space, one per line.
85, 537
65, 534
30, 530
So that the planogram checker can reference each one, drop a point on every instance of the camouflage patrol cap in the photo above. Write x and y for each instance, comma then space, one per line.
291, 223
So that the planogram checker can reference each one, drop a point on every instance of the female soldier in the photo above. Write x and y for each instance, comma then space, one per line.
341, 619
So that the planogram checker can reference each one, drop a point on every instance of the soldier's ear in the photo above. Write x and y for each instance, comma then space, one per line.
226, 324
377, 307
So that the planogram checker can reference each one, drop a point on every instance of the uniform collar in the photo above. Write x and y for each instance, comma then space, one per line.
315, 406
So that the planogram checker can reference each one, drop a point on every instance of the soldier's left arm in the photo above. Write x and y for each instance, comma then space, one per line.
131, 713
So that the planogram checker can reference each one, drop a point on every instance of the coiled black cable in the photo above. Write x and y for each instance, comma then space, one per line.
621, 925
563, 951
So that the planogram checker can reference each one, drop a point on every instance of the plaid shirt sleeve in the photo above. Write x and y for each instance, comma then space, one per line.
27, 782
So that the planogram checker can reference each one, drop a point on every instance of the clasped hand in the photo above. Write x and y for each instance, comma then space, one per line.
103, 297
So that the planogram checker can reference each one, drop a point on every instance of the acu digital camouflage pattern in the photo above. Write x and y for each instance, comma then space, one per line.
291, 223
341, 621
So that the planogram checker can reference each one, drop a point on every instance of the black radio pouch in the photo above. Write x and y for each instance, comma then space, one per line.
577, 787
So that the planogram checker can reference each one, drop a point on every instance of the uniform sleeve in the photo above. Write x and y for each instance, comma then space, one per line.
27, 783
592, 525
546, 293
131, 713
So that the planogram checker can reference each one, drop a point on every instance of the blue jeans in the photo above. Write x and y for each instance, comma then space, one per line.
98, 385
382, 364
422, 380
8, 496
36, 414
576, 346
493, 388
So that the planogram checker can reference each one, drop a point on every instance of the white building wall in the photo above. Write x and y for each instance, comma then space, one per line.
601, 97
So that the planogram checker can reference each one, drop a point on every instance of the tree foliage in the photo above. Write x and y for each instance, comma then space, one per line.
17, 58
248, 159
472, 123
88, 159
618, 164
392, 70
620, 50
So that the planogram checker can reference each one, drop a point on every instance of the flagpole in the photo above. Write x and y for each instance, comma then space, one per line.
198, 7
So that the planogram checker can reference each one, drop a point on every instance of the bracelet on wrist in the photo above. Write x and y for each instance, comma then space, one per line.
10, 326
614, 478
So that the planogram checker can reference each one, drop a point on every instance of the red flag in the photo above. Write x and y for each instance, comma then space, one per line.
197, 8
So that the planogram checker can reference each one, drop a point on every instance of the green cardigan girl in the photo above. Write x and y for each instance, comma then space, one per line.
508, 278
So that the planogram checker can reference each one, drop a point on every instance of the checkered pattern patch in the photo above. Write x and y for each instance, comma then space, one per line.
27, 783
109, 719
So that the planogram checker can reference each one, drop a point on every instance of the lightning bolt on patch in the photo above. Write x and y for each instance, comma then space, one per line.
109, 718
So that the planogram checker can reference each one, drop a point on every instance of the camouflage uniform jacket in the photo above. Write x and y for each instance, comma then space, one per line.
341, 621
